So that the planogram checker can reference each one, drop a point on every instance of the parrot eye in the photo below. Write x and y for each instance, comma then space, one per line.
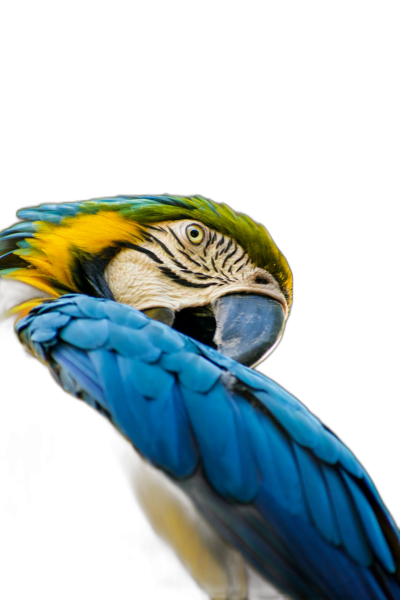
195, 234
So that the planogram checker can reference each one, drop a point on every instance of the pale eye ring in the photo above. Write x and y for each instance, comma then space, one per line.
195, 234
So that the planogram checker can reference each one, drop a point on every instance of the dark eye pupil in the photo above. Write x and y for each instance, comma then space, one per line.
194, 233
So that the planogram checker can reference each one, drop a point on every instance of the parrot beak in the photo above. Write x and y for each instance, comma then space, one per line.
243, 326
248, 326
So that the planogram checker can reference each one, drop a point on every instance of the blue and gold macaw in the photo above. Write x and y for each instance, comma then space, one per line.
157, 309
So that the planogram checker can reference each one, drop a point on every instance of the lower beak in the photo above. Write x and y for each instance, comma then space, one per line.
245, 327
248, 326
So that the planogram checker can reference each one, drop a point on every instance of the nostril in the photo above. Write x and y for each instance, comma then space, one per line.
261, 280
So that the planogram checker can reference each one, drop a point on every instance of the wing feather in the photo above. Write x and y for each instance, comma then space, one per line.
317, 496
266, 473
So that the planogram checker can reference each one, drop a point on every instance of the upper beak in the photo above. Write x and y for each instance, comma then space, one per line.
243, 326
248, 326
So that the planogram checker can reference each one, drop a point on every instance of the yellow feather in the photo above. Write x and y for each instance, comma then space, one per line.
41, 264
23, 309
53, 243
33, 278
50, 253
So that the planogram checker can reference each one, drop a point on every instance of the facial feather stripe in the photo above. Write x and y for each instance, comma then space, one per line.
153, 274
43, 250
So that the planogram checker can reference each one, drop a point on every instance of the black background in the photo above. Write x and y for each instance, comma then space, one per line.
319, 182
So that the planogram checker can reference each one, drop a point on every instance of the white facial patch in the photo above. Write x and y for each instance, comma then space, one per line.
184, 264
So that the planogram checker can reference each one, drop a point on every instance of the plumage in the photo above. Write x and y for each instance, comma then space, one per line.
278, 487
317, 495
87, 333
371, 526
58, 234
260, 483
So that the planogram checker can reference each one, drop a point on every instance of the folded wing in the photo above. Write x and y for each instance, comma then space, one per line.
275, 483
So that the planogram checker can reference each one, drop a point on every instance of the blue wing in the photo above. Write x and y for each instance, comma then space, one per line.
276, 483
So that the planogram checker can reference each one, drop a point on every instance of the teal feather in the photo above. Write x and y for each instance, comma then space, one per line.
17, 235
40, 215
24, 227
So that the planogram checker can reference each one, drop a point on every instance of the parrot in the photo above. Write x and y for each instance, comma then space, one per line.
155, 311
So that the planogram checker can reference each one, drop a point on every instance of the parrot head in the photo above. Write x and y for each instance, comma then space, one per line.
196, 265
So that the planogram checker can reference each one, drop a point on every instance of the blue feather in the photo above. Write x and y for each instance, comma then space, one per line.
81, 368
5, 255
72, 311
377, 502
151, 380
65, 209
317, 496
152, 423
39, 215
124, 315
22, 244
37, 349
121, 338
13, 235
326, 565
130, 420
175, 449
53, 320
270, 478
259, 541
279, 469
43, 335
79, 359
23, 227
192, 370
64, 301
371, 526
327, 448
90, 309
299, 425
226, 458
165, 338
351, 532
86, 334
